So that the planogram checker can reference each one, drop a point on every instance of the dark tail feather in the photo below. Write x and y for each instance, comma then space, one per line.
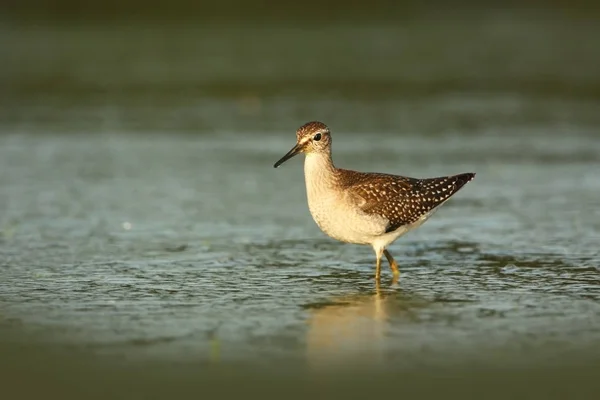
463, 179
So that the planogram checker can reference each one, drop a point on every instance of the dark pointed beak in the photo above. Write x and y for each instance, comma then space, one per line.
295, 150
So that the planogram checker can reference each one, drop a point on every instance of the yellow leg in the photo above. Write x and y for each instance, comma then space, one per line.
378, 269
393, 264
378, 254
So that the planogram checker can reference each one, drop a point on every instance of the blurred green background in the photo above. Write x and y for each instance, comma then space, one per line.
240, 66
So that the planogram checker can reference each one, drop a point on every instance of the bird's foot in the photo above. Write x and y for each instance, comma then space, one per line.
395, 270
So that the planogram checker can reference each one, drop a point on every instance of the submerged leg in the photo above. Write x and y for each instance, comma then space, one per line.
378, 254
393, 263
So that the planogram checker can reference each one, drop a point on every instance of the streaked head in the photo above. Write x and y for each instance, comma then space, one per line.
312, 137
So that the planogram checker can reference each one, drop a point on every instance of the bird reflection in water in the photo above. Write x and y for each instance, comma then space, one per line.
349, 330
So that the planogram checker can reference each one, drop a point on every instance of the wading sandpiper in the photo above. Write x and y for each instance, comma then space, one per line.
365, 208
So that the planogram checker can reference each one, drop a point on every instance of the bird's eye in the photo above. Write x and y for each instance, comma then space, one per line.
317, 137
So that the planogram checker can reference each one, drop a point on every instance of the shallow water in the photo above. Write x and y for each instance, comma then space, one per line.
124, 234
163, 245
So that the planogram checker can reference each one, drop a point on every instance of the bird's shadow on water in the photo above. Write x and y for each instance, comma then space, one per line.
354, 328
348, 292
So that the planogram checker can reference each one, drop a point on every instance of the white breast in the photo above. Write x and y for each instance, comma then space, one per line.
332, 209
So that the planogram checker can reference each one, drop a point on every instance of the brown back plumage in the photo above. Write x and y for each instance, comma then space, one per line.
401, 200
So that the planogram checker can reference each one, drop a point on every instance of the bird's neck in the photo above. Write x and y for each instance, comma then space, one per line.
319, 172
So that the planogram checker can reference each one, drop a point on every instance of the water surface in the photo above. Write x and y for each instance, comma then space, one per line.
164, 244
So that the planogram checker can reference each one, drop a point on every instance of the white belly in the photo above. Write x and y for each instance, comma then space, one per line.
342, 222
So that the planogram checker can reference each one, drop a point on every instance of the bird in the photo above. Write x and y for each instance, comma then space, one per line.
366, 208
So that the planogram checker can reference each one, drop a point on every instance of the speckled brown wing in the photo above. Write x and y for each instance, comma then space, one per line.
401, 200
